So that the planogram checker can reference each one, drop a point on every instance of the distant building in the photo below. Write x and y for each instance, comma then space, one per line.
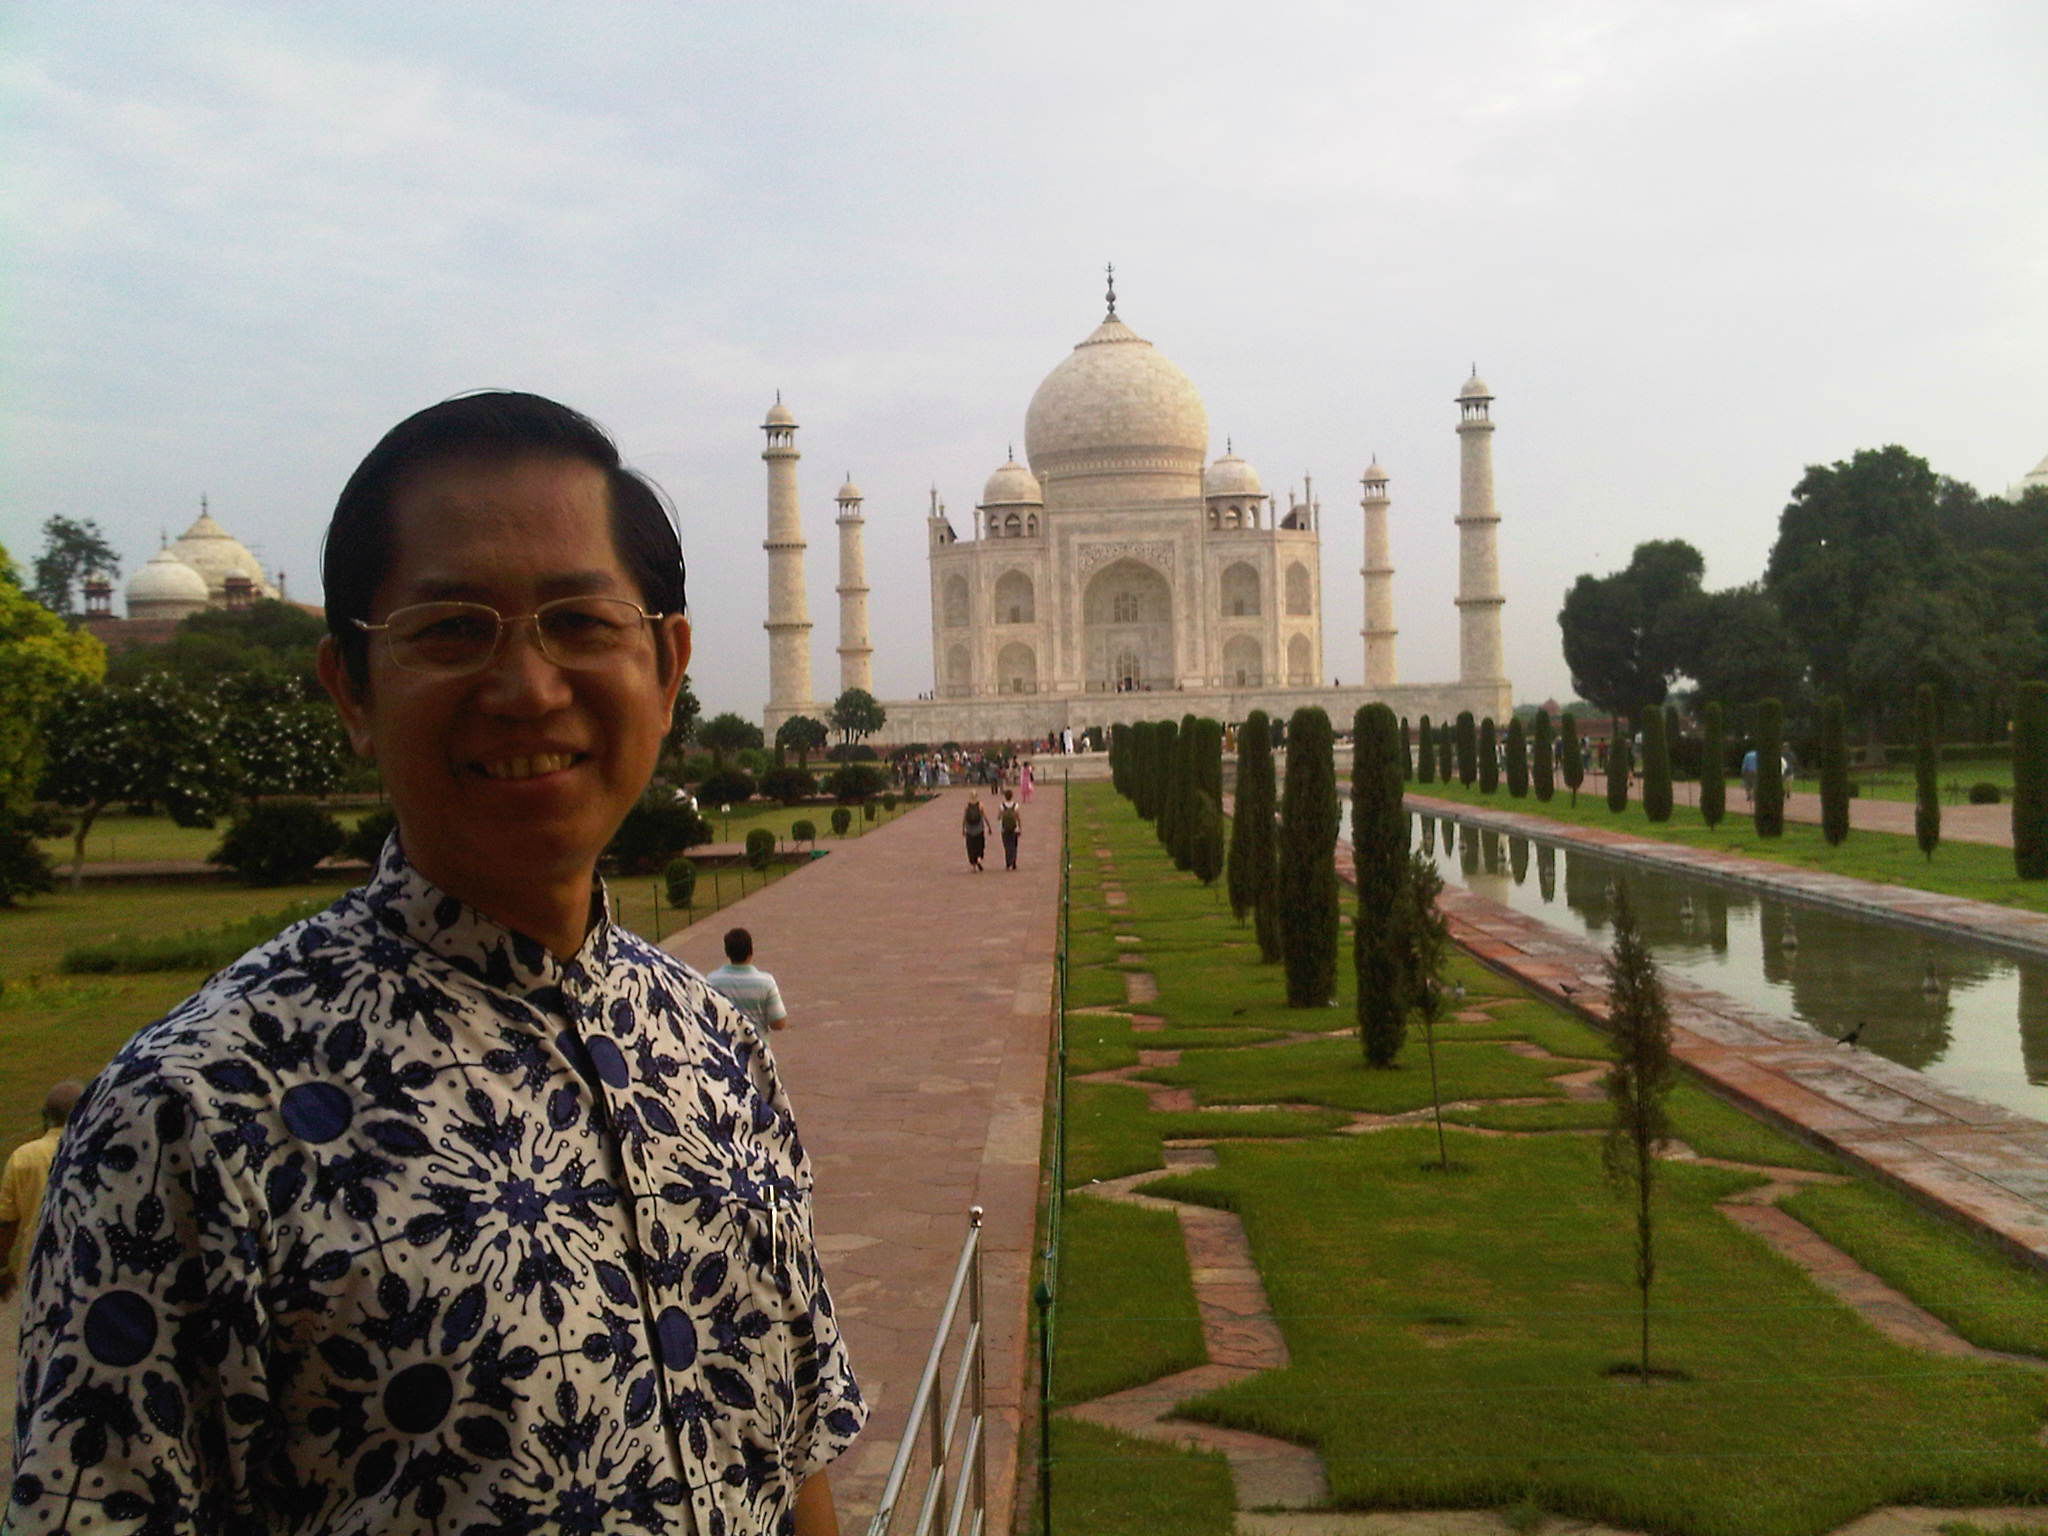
204, 567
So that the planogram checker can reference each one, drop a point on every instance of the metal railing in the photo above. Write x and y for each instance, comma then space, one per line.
940, 1431
1046, 1293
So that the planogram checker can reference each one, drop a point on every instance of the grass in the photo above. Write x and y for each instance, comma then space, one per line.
200, 949
1127, 1312
1108, 1133
1975, 870
1113, 1485
1953, 785
1333, 1073
1710, 1126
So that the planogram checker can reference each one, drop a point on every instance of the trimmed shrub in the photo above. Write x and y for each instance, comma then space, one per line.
805, 831
1425, 753
2030, 781
788, 785
1379, 840
867, 810
25, 870
851, 752
1618, 771
279, 843
366, 841
855, 782
1467, 742
1984, 792
1834, 772
1713, 767
889, 801
1770, 769
1489, 757
679, 878
760, 847
1308, 861
655, 830
1926, 771
1656, 765
1253, 879
842, 819
728, 786
1571, 756
1543, 772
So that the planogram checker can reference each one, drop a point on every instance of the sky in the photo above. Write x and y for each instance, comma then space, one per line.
1692, 247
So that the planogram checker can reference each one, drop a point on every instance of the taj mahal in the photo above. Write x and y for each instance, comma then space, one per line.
1118, 574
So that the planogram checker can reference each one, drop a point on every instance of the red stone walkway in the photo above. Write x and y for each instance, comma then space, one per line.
920, 995
1963, 823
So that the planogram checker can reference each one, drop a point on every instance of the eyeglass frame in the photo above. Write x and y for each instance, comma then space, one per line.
505, 621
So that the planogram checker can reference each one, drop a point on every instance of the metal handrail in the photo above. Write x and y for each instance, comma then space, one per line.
926, 1415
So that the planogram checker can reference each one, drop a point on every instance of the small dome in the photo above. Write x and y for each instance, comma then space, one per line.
217, 554
780, 415
1012, 486
166, 586
1374, 474
1231, 476
1475, 388
1115, 404
848, 492
2034, 479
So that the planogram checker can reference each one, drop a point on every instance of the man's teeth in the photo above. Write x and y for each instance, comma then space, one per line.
527, 767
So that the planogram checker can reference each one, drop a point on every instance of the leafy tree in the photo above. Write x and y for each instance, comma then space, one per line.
24, 868
802, 735
1834, 771
72, 551
1489, 756
679, 879
658, 828
279, 844
1713, 766
1518, 759
41, 660
1622, 651
1618, 769
789, 785
855, 783
1734, 644
1543, 777
723, 735
1770, 769
1253, 877
1656, 766
1637, 1085
1572, 756
1425, 754
726, 786
279, 742
760, 847
1424, 945
856, 715
1949, 638
2030, 782
1467, 748
842, 819
1308, 861
1379, 841
1926, 772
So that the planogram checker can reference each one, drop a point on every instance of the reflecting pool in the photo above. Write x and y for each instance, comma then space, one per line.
1972, 1018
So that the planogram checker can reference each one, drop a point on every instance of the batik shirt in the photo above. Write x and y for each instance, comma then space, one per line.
402, 1224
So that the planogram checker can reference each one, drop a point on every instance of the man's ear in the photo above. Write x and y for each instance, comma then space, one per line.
675, 630
355, 714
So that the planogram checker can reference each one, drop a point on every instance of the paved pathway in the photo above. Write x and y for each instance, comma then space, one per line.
920, 997
1963, 823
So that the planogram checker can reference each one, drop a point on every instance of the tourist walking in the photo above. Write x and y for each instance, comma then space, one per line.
974, 827
21, 1186
1010, 822
746, 986
1024, 781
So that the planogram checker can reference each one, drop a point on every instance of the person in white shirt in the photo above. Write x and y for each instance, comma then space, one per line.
748, 988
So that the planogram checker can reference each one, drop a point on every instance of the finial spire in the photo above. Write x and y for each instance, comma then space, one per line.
1012, 452
1228, 450
1109, 270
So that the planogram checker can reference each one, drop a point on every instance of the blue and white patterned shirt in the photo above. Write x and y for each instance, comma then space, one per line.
401, 1224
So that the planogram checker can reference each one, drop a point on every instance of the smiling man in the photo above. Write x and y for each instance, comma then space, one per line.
454, 1209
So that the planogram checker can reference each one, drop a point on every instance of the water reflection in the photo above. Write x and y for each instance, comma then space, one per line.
1969, 1017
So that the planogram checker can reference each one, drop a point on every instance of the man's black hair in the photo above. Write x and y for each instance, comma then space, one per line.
490, 424
739, 945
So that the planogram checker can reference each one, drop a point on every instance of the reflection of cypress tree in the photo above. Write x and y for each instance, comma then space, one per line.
1518, 858
1308, 861
1450, 830
2033, 1019
1585, 889
1425, 753
1546, 871
1468, 854
1543, 773
1489, 850
1839, 978
1429, 835
1772, 926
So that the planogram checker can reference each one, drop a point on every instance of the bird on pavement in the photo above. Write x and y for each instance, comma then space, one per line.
1854, 1035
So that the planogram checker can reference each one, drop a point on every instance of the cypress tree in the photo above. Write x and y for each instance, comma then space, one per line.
1489, 756
1468, 749
1425, 753
2030, 781
1570, 757
1407, 754
1544, 777
1166, 757
1120, 758
1770, 769
1518, 759
1254, 876
1926, 771
1617, 770
1205, 850
1308, 860
1834, 772
1379, 842
1187, 774
1713, 767
1656, 766
1145, 768
1443, 753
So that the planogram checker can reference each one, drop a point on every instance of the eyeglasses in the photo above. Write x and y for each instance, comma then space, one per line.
455, 639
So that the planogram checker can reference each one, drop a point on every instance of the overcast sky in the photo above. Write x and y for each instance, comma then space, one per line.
1692, 247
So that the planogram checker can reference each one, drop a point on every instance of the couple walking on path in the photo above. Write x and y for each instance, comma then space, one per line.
974, 827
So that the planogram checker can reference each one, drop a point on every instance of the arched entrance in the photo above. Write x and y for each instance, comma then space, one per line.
1127, 628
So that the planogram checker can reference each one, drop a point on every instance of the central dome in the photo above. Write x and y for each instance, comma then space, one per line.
1115, 404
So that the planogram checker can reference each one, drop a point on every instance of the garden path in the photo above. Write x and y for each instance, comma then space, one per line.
1959, 823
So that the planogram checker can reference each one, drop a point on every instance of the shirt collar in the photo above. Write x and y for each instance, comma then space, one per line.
406, 902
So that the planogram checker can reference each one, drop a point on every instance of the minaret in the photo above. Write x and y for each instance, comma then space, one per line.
1378, 572
789, 617
1480, 659
854, 649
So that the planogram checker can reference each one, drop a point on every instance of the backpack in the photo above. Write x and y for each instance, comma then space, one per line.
1011, 820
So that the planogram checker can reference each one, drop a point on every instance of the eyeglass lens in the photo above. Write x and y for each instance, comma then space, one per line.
463, 637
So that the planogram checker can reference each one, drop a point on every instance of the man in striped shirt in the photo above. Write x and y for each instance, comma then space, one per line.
749, 989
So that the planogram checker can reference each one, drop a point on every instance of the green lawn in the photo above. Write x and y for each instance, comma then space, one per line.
1953, 782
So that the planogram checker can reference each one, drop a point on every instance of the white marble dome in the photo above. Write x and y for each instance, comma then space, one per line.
1231, 476
848, 491
1115, 403
1475, 388
780, 415
1012, 486
216, 555
2035, 479
165, 588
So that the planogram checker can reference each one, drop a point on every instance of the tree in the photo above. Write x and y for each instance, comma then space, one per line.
856, 715
277, 742
1834, 771
1140, 773
1489, 756
1467, 742
2030, 781
1572, 756
1253, 876
1656, 766
1713, 766
1120, 758
1425, 754
1206, 834
1443, 753
1543, 778
41, 660
1308, 860
1379, 842
1734, 644
802, 735
1926, 772
1637, 1083
72, 551
1181, 845
723, 735
1407, 753
1518, 759
1618, 768
1622, 651
1770, 769
1424, 945
1167, 824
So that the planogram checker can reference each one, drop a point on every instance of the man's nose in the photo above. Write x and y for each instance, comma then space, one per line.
520, 677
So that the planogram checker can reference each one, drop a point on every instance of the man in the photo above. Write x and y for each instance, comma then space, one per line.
21, 1186
1010, 822
747, 988
454, 1209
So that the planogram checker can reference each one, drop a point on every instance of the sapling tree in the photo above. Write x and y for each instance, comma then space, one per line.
1543, 771
1424, 944
1713, 766
1834, 771
1571, 757
1637, 1085
1308, 861
1926, 772
1379, 841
